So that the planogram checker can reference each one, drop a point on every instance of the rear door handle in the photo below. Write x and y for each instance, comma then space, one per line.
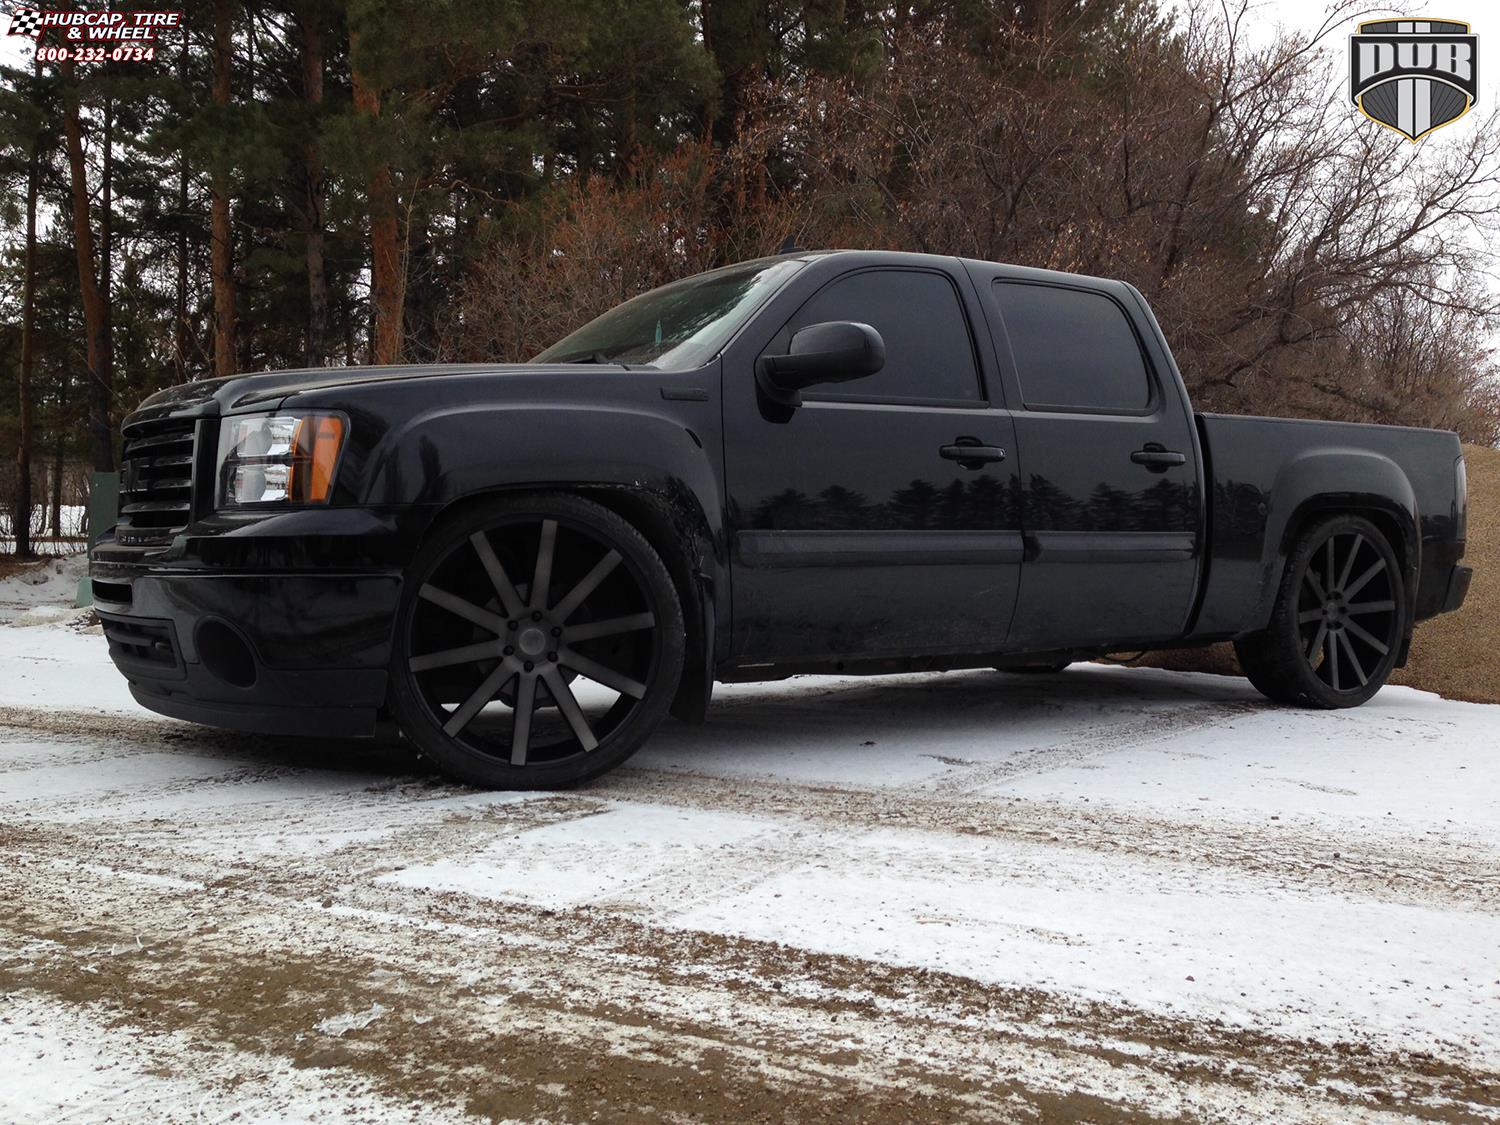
1158, 458
970, 454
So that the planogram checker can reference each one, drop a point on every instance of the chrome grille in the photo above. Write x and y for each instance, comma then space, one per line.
156, 481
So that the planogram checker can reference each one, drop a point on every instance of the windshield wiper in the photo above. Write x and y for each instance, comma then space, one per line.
593, 357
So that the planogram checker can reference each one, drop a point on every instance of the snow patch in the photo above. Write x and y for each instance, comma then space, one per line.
351, 1021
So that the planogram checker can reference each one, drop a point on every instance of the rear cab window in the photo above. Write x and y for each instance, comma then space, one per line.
1073, 349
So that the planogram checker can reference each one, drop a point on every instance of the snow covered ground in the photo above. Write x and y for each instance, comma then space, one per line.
1108, 892
42, 592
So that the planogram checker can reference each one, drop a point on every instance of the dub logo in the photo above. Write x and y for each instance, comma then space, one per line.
1414, 76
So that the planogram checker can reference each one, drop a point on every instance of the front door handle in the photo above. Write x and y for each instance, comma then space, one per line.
970, 454
1157, 457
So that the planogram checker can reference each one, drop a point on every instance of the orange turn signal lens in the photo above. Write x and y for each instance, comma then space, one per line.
317, 443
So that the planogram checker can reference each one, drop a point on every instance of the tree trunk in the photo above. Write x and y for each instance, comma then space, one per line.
222, 268
737, 34
107, 240
59, 449
311, 18
22, 524
182, 342
57, 475
95, 315
387, 296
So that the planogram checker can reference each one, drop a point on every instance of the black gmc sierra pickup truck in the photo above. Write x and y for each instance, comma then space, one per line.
850, 462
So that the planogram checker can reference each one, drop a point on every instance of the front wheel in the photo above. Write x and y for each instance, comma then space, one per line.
539, 643
1338, 621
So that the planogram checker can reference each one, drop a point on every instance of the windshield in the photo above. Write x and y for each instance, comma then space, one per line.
679, 325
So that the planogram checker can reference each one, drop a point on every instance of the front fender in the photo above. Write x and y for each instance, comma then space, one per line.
452, 453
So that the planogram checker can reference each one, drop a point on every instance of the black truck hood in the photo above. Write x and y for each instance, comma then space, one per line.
208, 397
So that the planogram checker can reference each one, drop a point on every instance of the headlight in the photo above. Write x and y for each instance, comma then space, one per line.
278, 458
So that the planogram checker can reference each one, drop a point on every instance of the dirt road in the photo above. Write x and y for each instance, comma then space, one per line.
1099, 895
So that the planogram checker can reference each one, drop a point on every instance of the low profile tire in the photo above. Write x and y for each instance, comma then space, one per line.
1338, 621
539, 642
1036, 669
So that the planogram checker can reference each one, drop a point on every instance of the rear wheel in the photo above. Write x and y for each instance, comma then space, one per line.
539, 643
1336, 628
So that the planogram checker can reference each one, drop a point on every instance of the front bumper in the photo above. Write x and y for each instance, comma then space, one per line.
284, 654
242, 628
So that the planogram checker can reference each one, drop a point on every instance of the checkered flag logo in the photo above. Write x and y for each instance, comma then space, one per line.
27, 22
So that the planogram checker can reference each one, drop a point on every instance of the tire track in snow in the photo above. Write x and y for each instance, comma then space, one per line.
610, 972
1111, 737
578, 1006
1381, 865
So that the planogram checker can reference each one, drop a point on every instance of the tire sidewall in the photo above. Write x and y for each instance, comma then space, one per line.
650, 573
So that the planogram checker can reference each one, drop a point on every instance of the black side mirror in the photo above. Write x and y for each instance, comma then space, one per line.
834, 352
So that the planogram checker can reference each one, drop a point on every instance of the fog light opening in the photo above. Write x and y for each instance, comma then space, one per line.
225, 654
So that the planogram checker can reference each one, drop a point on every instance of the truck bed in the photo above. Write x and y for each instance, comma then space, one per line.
1255, 466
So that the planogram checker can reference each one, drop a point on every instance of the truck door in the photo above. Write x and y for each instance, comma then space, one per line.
858, 526
1109, 470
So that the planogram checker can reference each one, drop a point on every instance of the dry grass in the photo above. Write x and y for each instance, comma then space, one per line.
1456, 654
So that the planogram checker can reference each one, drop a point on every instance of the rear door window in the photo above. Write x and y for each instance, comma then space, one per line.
1073, 349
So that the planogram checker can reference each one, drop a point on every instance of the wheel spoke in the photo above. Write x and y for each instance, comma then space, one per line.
1309, 615
1332, 646
1312, 649
1368, 637
1317, 587
1363, 580
482, 695
609, 627
1330, 572
597, 672
1359, 541
467, 610
541, 581
520, 737
509, 599
484, 650
1362, 608
586, 586
1353, 659
562, 695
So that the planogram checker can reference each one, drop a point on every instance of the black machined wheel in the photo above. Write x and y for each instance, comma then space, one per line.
1339, 618
540, 642
1347, 611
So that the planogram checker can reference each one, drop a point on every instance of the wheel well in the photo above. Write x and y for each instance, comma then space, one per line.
663, 528
1392, 532
1383, 520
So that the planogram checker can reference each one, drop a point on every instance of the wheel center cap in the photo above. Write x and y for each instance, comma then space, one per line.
532, 641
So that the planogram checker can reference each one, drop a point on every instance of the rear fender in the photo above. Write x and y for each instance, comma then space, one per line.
1328, 482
